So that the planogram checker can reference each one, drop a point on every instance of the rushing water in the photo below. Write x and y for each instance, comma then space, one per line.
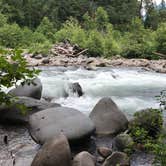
132, 89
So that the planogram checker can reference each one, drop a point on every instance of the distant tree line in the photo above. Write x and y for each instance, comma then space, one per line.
105, 27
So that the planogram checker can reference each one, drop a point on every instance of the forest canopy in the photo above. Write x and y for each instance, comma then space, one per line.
106, 28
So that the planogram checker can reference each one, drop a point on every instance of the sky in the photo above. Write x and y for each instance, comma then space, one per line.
157, 1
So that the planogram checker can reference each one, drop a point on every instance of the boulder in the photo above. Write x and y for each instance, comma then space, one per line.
14, 114
76, 89
50, 122
55, 152
46, 61
104, 151
83, 159
107, 117
117, 158
33, 90
123, 141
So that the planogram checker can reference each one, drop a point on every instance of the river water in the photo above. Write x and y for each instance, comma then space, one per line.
132, 89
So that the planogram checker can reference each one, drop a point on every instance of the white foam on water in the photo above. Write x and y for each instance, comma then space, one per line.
131, 89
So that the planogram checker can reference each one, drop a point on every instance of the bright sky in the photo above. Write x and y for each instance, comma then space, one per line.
157, 1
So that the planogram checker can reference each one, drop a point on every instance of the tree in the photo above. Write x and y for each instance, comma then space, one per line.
161, 38
120, 12
46, 28
152, 16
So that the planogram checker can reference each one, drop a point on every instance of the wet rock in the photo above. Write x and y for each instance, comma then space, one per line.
107, 117
46, 60
117, 158
104, 151
50, 122
100, 159
55, 152
84, 159
76, 89
123, 141
38, 56
13, 114
33, 90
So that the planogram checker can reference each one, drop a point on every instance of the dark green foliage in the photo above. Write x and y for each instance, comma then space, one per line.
46, 28
13, 68
161, 38
146, 126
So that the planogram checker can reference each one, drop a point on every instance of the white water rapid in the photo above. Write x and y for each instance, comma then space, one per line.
132, 89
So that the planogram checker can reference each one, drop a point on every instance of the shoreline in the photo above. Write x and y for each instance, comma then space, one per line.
91, 63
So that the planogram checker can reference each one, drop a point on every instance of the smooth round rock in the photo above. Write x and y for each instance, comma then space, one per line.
84, 159
50, 122
123, 141
104, 151
107, 117
13, 114
33, 90
55, 152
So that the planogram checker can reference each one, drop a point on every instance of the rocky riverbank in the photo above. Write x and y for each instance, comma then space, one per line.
92, 63
66, 136
65, 54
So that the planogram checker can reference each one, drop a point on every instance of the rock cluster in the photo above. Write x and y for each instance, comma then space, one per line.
55, 128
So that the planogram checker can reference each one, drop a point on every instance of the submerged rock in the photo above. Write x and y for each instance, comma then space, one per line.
33, 90
13, 114
50, 122
55, 152
76, 89
107, 117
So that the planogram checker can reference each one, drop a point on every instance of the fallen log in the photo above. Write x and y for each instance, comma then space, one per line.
160, 55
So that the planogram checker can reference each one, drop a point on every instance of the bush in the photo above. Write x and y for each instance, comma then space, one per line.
47, 29
3, 20
146, 126
73, 32
161, 38
12, 72
11, 36
40, 48
139, 42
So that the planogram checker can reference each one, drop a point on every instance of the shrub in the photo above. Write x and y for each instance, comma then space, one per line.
12, 72
146, 126
11, 36
47, 29
95, 43
3, 20
139, 42
40, 48
161, 38
72, 31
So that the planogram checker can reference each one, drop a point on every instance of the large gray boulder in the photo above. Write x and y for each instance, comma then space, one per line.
14, 114
55, 152
107, 117
50, 122
33, 90
83, 159
117, 158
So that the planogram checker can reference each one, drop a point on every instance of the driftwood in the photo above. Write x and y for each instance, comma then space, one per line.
160, 55
67, 49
